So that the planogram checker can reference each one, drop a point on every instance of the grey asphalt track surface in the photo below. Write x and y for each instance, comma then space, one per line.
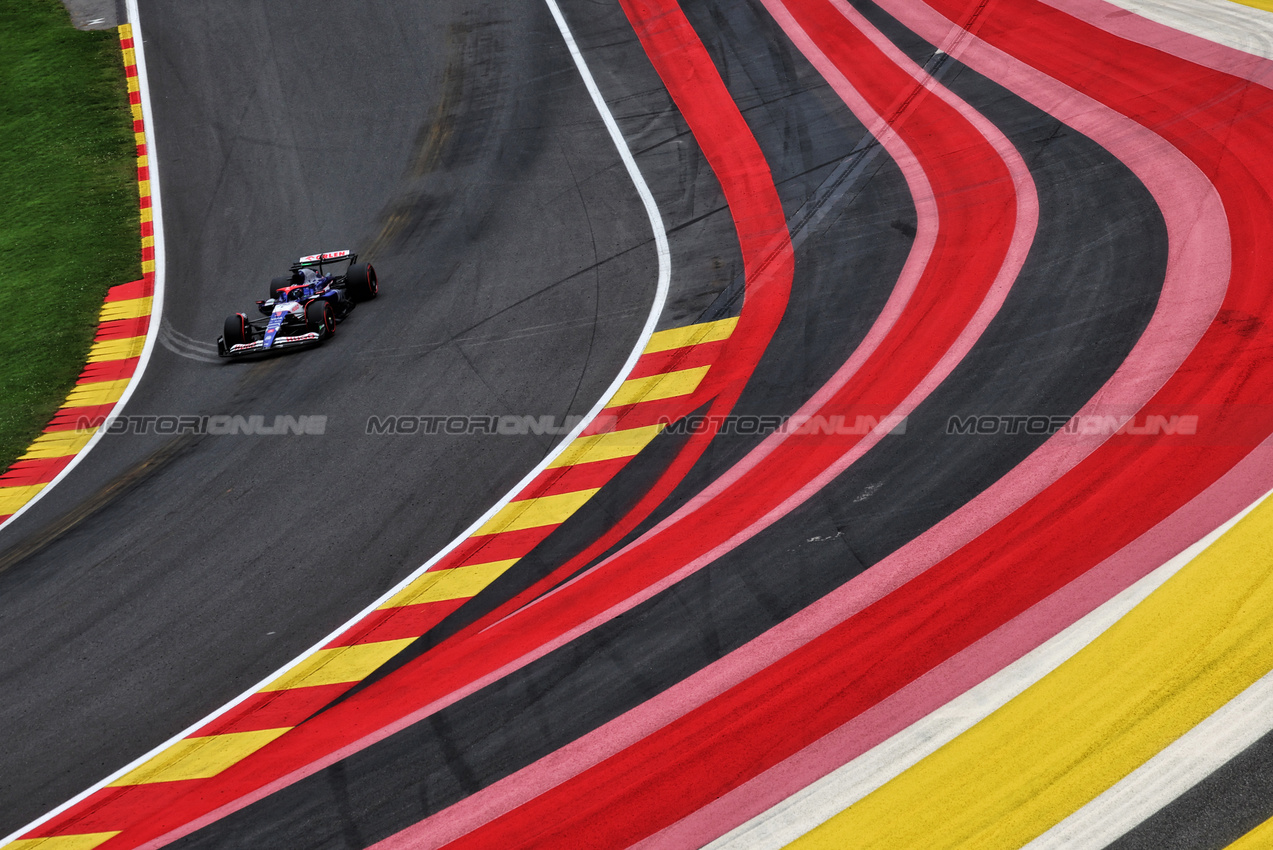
455, 146
1068, 322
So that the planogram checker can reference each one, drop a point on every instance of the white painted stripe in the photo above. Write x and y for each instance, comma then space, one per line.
157, 302
1231, 24
656, 308
1184, 763
835, 792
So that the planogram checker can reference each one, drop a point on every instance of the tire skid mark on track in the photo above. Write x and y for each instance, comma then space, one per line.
1193, 290
580, 796
1174, 536
766, 243
1010, 272
763, 234
174, 769
598, 454
118, 355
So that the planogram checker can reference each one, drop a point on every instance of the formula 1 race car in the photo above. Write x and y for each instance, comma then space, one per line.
304, 306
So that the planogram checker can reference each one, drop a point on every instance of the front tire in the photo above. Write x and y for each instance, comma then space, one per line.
237, 331
361, 282
320, 318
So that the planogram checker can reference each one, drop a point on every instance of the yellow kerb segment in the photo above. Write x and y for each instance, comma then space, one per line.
147, 214
607, 446
691, 335
130, 309
116, 349
457, 583
199, 758
1264, 5
12, 498
338, 664
143, 188
139, 138
1257, 839
83, 841
98, 392
533, 513
1194, 644
655, 387
58, 443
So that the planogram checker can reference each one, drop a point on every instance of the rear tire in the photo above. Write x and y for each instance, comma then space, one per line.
361, 282
279, 283
321, 319
237, 331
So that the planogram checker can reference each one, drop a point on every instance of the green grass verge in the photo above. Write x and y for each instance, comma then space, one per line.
69, 221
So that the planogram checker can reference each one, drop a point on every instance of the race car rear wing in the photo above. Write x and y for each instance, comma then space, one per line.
326, 258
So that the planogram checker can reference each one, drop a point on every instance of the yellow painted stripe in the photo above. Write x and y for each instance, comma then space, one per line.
691, 335
147, 266
147, 213
199, 758
338, 664
607, 446
97, 392
655, 387
139, 138
532, 513
83, 841
58, 443
1257, 839
130, 309
116, 349
12, 498
1257, 4
1190, 647
457, 583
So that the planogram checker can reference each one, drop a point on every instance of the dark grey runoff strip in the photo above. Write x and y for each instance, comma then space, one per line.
1084, 296
845, 181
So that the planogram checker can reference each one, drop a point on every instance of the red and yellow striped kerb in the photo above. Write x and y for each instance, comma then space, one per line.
663, 387
121, 335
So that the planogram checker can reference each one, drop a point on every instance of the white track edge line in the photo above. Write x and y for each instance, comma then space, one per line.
822, 800
157, 297
656, 309
1171, 772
